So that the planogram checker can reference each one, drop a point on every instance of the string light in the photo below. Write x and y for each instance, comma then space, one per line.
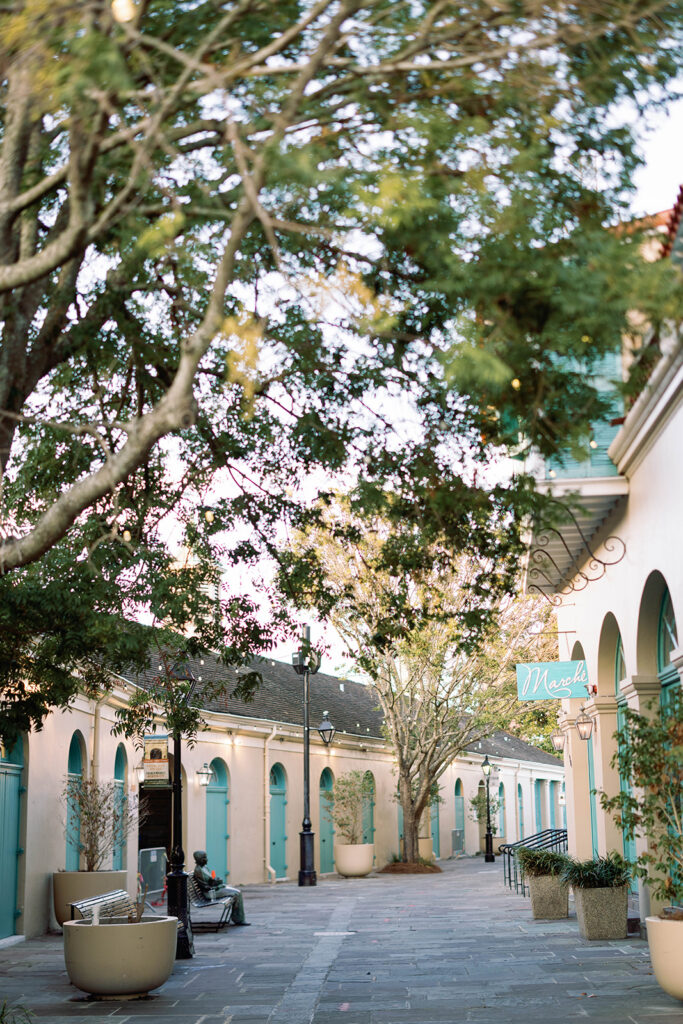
123, 10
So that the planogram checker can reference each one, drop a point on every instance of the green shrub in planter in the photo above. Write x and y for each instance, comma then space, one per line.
535, 863
543, 874
608, 872
601, 893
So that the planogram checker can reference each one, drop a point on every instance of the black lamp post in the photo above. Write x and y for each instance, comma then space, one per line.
488, 854
306, 662
176, 878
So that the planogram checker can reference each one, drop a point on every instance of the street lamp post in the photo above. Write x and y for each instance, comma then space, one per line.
488, 849
176, 878
306, 662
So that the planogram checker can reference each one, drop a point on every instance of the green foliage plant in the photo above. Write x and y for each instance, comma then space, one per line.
478, 809
650, 756
14, 1014
608, 872
100, 820
541, 862
345, 804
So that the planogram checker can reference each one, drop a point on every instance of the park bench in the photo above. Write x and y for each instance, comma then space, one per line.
116, 903
199, 899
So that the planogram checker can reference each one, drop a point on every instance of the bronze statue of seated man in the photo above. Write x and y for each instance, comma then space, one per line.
214, 887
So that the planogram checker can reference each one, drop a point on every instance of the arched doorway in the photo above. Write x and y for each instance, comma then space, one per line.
120, 763
459, 832
369, 810
217, 818
326, 803
667, 641
73, 819
620, 674
11, 766
278, 837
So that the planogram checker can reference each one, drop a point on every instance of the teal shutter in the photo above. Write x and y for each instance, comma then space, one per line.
278, 837
326, 824
10, 807
217, 819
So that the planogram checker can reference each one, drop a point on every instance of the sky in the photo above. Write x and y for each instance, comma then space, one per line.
659, 180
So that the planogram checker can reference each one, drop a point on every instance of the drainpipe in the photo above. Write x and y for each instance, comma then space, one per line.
268, 869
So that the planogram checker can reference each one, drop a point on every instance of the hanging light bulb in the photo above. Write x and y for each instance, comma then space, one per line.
123, 10
127, 536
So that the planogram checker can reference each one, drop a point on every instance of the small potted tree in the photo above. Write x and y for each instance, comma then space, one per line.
601, 894
98, 821
478, 814
353, 858
549, 892
650, 756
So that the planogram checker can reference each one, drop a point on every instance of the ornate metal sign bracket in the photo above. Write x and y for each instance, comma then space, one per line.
573, 578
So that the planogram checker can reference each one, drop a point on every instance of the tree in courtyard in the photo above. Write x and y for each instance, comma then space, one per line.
251, 247
443, 684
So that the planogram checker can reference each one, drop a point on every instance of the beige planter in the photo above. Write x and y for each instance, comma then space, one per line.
354, 860
602, 913
425, 848
118, 958
69, 886
549, 897
665, 939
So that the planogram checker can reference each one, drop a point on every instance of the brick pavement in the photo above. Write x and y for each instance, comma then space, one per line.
427, 949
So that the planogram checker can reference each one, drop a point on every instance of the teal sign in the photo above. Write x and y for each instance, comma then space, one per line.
551, 680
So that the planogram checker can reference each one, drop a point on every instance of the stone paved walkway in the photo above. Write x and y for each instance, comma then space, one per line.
427, 949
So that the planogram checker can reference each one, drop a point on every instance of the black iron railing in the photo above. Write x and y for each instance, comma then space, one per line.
548, 839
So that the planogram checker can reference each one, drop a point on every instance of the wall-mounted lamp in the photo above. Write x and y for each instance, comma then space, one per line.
140, 772
557, 740
205, 775
584, 724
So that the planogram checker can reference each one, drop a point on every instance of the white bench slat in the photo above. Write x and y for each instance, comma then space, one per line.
116, 903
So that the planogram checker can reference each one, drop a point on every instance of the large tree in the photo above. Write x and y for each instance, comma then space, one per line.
443, 679
283, 242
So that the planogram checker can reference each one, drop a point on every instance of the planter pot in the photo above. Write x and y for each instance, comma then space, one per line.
602, 913
425, 848
355, 860
68, 886
118, 958
665, 939
549, 897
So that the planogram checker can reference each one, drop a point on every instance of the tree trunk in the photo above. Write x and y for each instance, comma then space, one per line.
410, 821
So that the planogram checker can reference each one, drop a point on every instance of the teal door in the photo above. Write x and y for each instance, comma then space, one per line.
217, 819
278, 837
73, 821
501, 811
119, 782
553, 800
538, 806
520, 810
459, 837
326, 826
436, 841
369, 812
591, 797
10, 797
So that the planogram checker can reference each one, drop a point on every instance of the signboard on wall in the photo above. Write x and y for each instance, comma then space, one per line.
551, 680
156, 760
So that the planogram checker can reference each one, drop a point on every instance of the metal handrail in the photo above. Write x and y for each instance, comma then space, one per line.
548, 839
